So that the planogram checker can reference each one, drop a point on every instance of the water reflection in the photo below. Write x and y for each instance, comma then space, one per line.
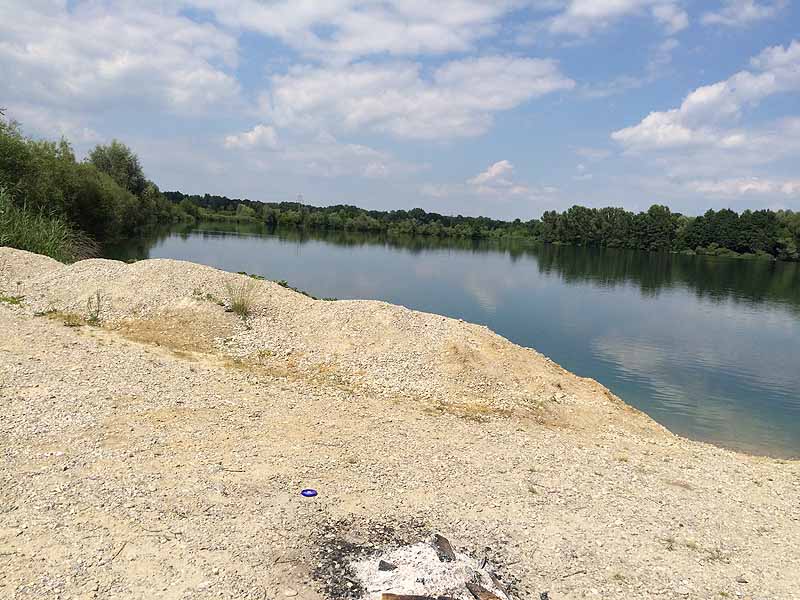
706, 346
717, 279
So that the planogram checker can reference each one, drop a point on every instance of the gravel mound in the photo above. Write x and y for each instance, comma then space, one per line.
385, 349
160, 452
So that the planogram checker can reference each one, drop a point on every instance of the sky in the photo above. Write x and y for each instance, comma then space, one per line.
505, 108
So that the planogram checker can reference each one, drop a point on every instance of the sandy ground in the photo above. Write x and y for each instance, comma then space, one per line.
160, 453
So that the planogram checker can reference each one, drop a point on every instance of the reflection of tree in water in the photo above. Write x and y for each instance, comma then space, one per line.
718, 279
138, 248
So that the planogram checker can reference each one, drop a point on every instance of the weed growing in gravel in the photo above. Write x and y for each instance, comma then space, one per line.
198, 293
241, 297
716, 554
94, 307
14, 300
285, 284
69, 319
253, 276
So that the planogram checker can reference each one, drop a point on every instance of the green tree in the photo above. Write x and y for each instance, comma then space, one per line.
120, 162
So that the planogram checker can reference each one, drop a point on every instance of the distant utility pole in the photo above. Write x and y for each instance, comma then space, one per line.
299, 198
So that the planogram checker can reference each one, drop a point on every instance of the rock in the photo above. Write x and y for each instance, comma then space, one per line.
741, 579
497, 583
682, 591
386, 566
443, 548
481, 593
289, 592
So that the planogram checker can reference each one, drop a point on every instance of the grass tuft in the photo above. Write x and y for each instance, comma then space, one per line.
241, 297
13, 300
69, 319
94, 308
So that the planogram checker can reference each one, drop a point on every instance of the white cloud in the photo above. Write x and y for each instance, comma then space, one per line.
496, 182
495, 175
743, 186
93, 57
697, 146
581, 17
458, 100
261, 136
697, 120
343, 30
671, 16
325, 156
739, 13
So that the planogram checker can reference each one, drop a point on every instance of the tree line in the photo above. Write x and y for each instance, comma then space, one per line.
764, 233
53, 204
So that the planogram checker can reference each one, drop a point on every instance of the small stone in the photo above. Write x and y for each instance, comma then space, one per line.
386, 566
682, 591
289, 592
443, 548
741, 579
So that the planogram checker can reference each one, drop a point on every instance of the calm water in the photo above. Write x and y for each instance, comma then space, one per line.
708, 347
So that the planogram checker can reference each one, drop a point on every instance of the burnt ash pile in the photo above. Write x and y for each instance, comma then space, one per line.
376, 562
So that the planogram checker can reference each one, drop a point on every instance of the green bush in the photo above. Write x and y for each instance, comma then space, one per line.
42, 234
56, 205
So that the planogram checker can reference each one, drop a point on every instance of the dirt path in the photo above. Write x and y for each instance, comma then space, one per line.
161, 454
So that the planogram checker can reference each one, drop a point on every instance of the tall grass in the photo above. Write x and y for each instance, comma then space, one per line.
241, 297
42, 234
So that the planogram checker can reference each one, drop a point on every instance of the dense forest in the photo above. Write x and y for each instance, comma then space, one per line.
762, 233
53, 204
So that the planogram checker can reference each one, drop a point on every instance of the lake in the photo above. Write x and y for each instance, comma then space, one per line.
709, 347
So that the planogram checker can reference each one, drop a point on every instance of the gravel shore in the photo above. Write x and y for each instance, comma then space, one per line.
156, 447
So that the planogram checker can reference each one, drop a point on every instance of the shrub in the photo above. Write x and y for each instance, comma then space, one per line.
40, 233
106, 197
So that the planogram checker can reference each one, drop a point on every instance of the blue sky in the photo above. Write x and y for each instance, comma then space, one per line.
504, 108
